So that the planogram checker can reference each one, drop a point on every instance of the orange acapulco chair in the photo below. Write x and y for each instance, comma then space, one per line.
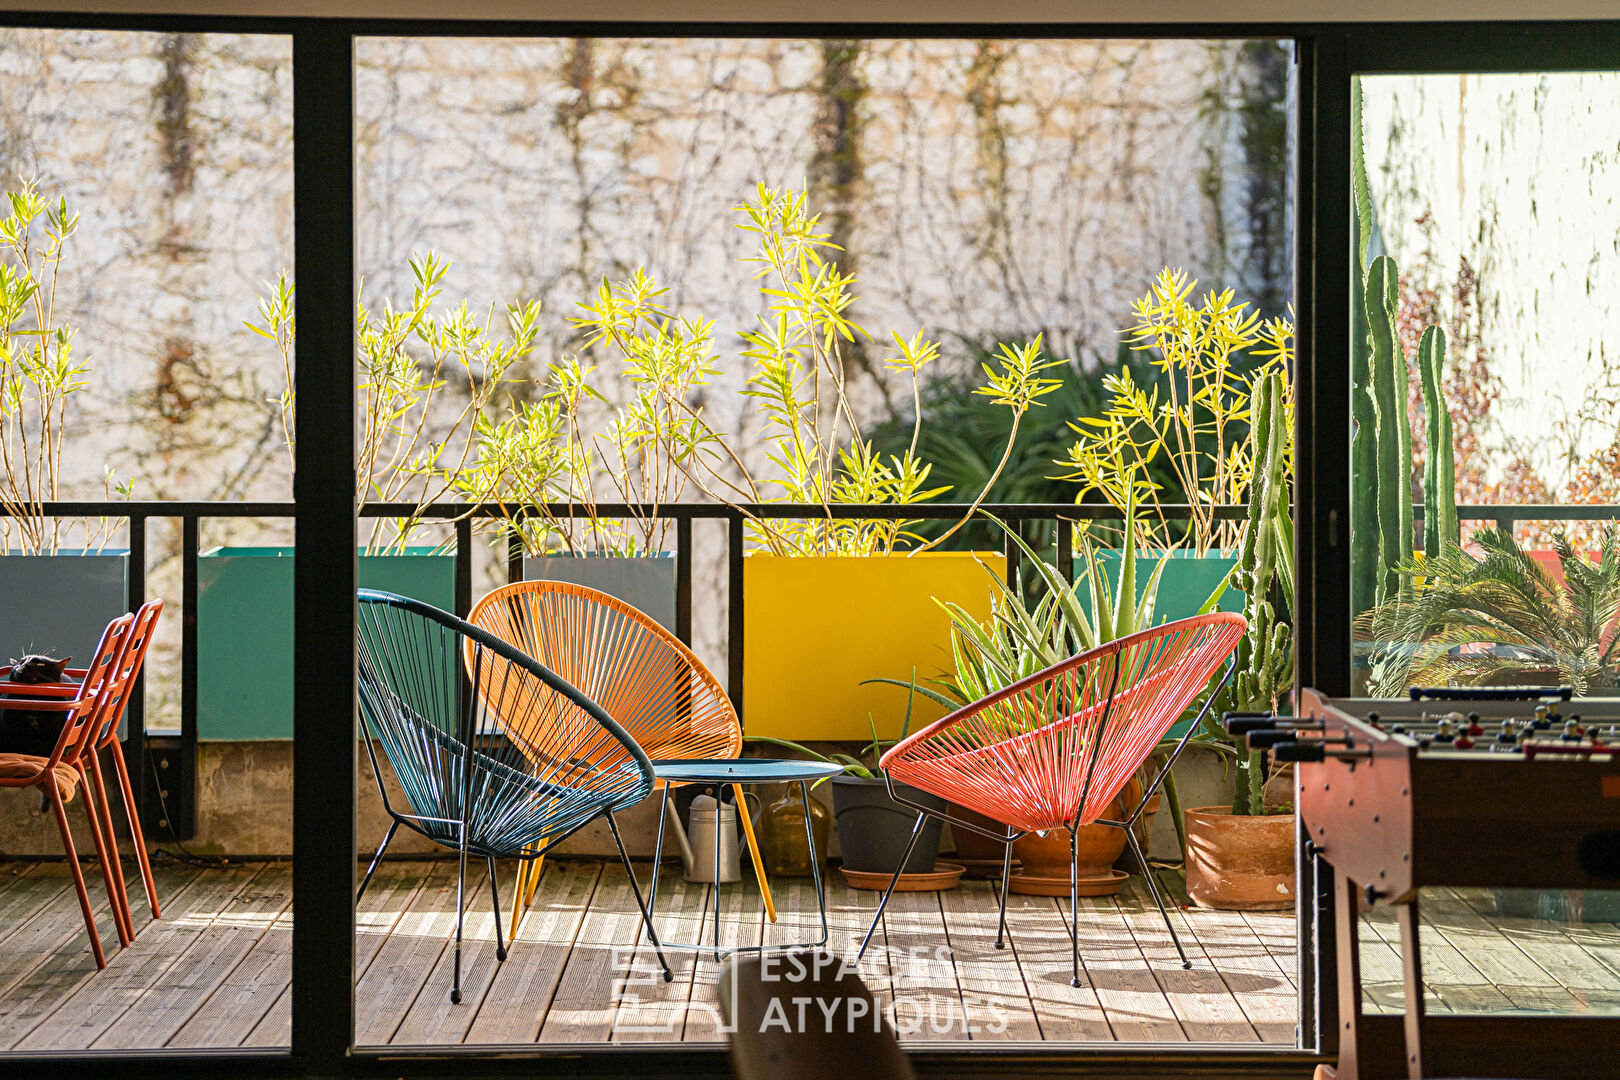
1054, 749
85, 707
641, 674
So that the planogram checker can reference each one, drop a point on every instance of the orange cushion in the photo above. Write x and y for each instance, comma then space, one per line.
27, 766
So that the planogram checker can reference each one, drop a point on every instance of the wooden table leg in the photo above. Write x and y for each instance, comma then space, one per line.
1347, 940
1412, 975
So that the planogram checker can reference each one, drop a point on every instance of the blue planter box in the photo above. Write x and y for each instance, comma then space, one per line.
245, 630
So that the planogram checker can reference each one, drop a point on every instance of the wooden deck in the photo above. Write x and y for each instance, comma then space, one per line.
214, 971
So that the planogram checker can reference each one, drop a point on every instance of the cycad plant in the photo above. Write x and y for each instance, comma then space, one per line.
1499, 617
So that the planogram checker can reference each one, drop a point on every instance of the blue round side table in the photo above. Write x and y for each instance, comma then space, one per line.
718, 773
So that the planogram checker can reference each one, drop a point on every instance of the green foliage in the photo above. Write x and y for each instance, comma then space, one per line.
965, 431
39, 372
1393, 430
1211, 353
407, 358
798, 381
1430, 632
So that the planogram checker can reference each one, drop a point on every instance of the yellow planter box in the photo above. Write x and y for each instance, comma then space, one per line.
815, 628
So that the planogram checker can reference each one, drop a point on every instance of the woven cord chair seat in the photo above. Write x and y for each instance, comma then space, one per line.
1061, 744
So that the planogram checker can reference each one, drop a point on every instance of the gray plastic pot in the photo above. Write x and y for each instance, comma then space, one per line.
873, 829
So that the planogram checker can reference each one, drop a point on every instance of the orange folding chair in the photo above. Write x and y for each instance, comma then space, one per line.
641, 674
1054, 749
140, 639
85, 708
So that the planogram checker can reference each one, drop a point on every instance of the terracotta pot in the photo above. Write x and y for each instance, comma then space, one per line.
1099, 845
1242, 862
971, 845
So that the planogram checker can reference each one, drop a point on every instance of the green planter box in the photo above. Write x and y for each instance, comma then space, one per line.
245, 630
1183, 588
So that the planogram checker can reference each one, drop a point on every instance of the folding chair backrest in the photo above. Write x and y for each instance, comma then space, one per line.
129, 669
100, 694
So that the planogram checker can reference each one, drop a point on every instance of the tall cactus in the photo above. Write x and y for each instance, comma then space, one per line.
1364, 574
1440, 525
1388, 387
1264, 659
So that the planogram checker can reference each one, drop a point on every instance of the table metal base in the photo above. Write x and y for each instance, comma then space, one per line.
721, 953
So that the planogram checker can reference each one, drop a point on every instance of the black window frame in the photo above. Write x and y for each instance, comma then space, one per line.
325, 758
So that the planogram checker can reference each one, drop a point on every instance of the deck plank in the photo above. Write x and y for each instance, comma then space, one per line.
650, 1009
995, 1000
516, 1004
742, 915
927, 996
583, 1008
162, 1009
27, 890
49, 958
80, 1017
1252, 975
1199, 999
385, 903
405, 965
1041, 946
214, 971
1455, 983
431, 1020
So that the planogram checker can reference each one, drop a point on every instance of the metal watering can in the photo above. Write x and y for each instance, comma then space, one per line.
697, 840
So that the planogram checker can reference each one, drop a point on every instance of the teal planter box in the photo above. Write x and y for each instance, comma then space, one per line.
1183, 588
245, 630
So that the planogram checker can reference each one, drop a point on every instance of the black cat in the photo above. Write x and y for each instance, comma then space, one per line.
28, 731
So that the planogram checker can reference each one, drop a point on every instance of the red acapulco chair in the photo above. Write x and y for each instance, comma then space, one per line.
1054, 749
84, 707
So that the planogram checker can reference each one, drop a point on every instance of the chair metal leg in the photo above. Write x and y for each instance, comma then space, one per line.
635, 887
495, 895
715, 888
78, 873
461, 911
136, 836
103, 855
916, 831
1074, 903
375, 859
1006, 882
664, 810
753, 851
115, 863
1153, 888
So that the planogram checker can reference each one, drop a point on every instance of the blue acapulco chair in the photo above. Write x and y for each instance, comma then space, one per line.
470, 785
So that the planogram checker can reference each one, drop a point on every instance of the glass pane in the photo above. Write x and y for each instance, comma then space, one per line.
172, 154
1485, 383
1501, 950
995, 198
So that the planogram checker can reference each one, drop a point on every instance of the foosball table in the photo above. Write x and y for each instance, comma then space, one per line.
1509, 788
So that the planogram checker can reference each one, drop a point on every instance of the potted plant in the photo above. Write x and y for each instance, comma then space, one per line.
543, 452
414, 436
1017, 641
59, 584
825, 595
1242, 855
873, 829
1211, 354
